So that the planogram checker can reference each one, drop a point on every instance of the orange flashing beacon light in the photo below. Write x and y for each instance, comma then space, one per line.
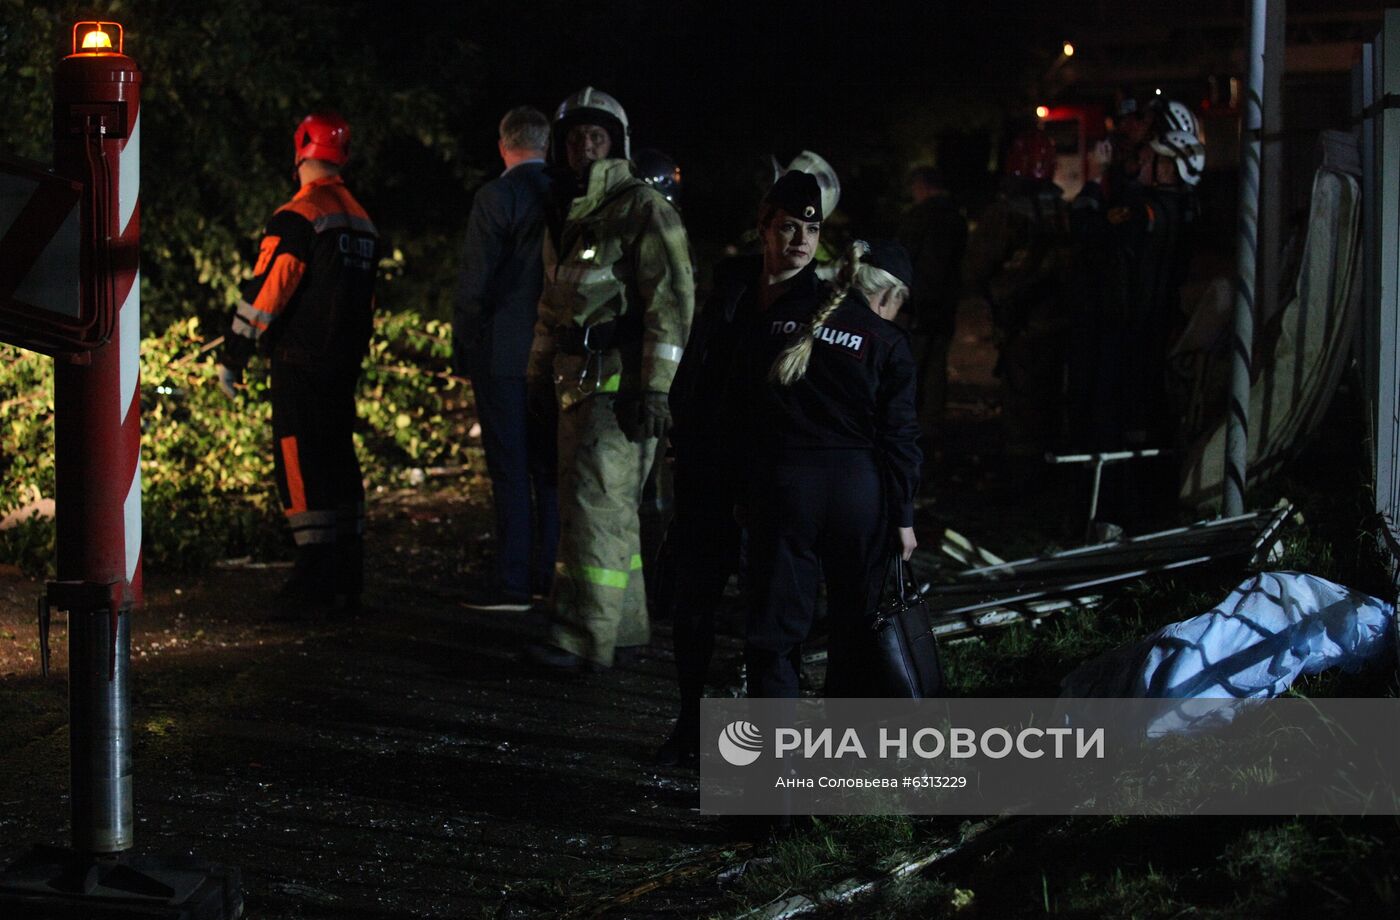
96, 38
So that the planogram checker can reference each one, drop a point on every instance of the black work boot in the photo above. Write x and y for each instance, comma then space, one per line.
681, 748
311, 587
349, 578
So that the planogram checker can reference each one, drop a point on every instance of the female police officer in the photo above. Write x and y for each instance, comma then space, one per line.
832, 422
704, 538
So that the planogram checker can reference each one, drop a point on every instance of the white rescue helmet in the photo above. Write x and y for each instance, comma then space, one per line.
590, 106
819, 169
1188, 152
1177, 117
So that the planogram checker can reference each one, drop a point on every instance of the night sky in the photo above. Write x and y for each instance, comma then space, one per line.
874, 87
720, 86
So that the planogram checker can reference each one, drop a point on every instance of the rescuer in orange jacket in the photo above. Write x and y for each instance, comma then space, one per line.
308, 308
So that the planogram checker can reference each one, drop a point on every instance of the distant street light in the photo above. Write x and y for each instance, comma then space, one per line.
1068, 49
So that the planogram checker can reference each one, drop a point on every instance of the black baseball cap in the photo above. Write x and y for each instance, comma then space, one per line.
891, 257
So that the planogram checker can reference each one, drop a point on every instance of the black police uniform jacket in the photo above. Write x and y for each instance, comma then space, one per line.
857, 394
710, 379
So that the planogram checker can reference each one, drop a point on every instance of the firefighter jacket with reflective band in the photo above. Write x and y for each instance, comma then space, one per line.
311, 298
620, 257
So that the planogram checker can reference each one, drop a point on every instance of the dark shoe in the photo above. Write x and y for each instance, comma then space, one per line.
627, 654
304, 593
306, 589
346, 607
681, 749
553, 658
301, 605
500, 601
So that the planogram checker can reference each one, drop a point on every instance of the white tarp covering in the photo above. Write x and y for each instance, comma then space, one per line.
1253, 645
1299, 355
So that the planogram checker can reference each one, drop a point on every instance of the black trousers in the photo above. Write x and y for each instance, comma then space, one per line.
318, 474
703, 545
825, 519
520, 458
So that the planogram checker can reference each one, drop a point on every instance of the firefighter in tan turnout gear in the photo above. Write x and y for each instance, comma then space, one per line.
618, 297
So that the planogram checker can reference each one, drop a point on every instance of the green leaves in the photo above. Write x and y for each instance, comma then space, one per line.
225, 82
208, 487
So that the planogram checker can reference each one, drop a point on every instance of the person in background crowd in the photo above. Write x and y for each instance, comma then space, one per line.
309, 309
1132, 253
1132, 129
833, 454
1018, 259
704, 538
493, 323
614, 315
934, 232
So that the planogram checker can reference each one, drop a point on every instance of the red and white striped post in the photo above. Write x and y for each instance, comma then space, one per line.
97, 136
97, 408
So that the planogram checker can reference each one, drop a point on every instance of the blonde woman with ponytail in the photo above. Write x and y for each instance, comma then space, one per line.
792, 363
835, 437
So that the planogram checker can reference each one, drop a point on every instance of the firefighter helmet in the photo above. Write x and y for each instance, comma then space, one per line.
1175, 116
659, 171
590, 106
322, 136
1188, 152
816, 166
1032, 155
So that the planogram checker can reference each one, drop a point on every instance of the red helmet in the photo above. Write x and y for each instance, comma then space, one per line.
1032, 155
323, 136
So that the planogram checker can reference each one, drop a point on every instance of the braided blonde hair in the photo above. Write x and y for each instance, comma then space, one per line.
791, 365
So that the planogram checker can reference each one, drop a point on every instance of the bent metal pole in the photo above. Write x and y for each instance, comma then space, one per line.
97, 131
1242, 344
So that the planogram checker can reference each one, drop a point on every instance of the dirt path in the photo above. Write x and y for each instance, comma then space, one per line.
399, 765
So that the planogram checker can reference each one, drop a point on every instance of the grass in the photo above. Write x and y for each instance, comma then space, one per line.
1025, 661
832, 850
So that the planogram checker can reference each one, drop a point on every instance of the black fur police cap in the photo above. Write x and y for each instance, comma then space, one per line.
893, 258
797, 193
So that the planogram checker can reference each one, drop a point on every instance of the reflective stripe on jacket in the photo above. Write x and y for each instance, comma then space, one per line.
310, 300
622, 255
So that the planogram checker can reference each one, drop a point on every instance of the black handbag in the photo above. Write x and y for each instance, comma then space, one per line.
905, 662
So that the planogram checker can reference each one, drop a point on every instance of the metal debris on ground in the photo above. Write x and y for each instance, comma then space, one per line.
693, 868
1026, 590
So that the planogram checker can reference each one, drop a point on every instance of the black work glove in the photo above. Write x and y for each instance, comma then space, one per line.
653, 415
539, 398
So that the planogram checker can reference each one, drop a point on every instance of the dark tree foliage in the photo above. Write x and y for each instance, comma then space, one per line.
224, 84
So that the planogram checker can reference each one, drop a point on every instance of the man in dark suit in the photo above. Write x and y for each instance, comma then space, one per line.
493, 327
